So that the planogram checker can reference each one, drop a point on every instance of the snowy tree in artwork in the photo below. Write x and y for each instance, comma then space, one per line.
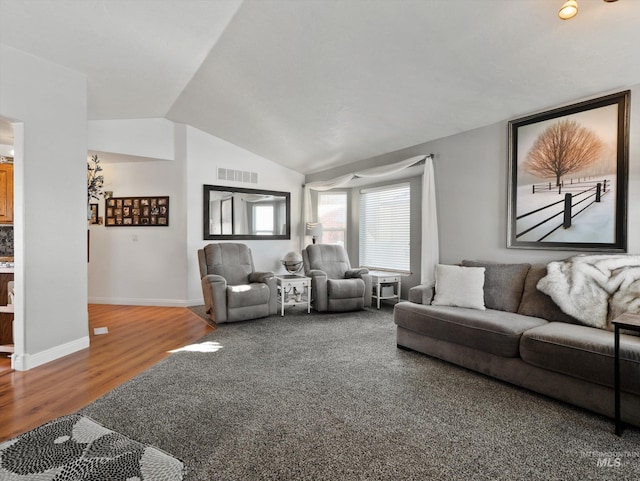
563, 148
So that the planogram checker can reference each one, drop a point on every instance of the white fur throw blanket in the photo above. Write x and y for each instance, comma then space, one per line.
595, 289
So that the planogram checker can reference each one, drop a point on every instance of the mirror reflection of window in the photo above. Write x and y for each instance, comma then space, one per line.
226, 220
263, 219
215, 217
245, 213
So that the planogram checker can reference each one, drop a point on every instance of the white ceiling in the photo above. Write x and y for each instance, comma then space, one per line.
313, 84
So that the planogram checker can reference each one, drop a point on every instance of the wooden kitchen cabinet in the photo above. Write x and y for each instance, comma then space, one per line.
6, 193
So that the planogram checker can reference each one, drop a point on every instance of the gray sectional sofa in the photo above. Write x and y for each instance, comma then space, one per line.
522, 337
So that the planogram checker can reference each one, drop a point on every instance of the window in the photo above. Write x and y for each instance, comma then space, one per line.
332, 214
385, 227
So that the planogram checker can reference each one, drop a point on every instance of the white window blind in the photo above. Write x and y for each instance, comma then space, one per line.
385, 227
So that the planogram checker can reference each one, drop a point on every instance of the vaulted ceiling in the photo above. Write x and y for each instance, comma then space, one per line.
313, 84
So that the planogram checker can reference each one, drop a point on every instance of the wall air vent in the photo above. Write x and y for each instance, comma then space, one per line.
237, 175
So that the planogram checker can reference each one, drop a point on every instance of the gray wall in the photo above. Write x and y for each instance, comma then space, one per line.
471, 191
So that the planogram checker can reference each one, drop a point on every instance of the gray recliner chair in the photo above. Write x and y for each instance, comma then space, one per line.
335, 286
232, 290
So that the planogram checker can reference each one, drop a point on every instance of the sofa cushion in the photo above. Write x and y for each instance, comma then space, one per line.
459, 286
345, 288
503, 284
247, 295
583, 352
536, 303
492, 331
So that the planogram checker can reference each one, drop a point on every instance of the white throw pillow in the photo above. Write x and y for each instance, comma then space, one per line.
459, 286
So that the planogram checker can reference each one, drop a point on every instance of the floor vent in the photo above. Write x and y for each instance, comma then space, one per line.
237, 175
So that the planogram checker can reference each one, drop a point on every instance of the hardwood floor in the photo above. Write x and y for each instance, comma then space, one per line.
138, 338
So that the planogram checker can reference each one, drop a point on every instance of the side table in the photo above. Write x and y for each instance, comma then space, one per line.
293, 290
625, 321
382, 280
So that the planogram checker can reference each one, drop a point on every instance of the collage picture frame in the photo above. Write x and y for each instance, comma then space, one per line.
150, 211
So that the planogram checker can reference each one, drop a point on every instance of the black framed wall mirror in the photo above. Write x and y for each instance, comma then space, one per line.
245, 214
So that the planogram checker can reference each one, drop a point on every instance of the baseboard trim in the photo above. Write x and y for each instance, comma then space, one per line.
25, 362
126, 301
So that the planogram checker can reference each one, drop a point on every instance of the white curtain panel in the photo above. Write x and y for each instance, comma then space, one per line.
430, 249
430, 246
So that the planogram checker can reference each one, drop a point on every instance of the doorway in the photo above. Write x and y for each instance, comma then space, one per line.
6, 245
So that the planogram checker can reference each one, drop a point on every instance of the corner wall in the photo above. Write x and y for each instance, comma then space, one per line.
205, 154
158, 265
49, 105
471, 186
471, 190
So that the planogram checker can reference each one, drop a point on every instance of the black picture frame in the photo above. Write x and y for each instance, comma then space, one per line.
568, 177
132, 211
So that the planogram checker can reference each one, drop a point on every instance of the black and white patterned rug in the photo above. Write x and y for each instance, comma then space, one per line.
75, 448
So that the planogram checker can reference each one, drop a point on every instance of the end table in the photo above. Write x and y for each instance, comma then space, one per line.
293, 290
381, 280
625, 321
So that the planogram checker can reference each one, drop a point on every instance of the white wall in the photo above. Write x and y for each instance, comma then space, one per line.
153, 138
160, 267
141, 265
205, 154
48, 102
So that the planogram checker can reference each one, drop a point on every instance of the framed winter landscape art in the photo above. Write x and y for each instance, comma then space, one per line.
568, 177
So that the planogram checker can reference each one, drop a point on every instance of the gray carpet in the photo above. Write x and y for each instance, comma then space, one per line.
330, 397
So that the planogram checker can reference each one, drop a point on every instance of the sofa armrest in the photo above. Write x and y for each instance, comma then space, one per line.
422, 294
261, 276
356, 272
316, 273
211, 278
319, 289
214, 289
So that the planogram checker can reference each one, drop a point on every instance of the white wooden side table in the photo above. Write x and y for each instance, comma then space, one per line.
382, 282
293, 290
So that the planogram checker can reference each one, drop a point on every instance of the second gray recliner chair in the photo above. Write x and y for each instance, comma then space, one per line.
335, 286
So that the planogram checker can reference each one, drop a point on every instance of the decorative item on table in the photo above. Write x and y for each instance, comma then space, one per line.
292, 262
314, 229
